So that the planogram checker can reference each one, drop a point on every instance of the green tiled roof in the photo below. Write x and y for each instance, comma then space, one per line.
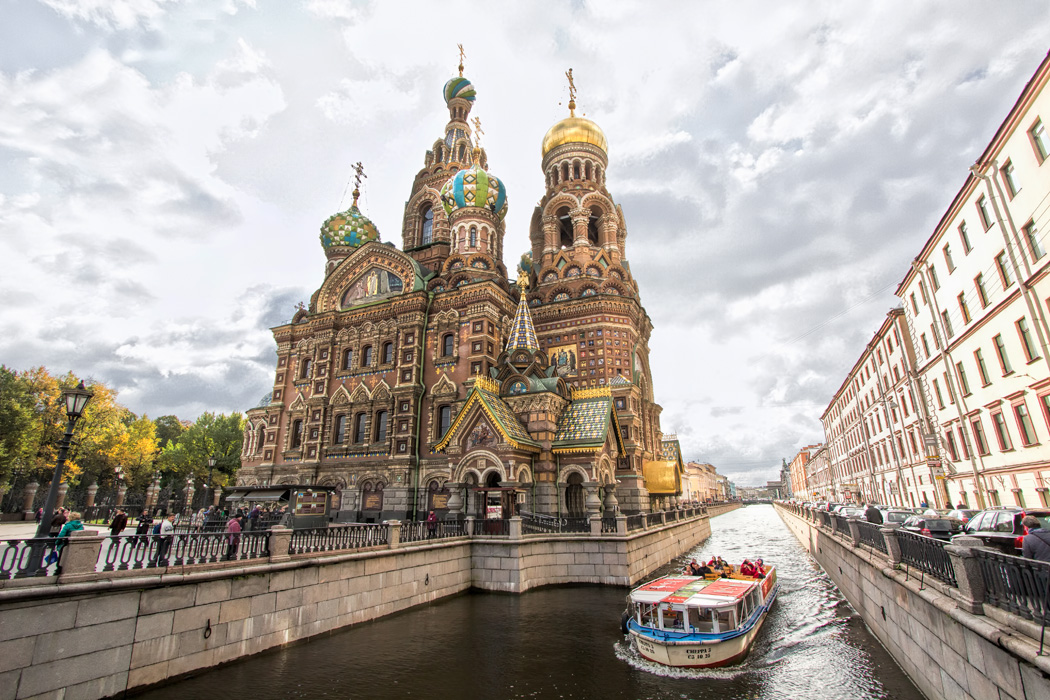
508, 421
584, 423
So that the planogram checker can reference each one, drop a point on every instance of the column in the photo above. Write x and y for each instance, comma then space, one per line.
27, 500
592, 502
91, 492
611, 504
63, 489
121, 491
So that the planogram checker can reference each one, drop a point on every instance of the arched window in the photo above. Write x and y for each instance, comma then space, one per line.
348, 358
444, 420
564, 171
381, 423
340, 429
297, 433
388, 353
428, 226
447, 345
587, 170
366, 356
592, 228
575, 171
260, 438
566, 235
359, 428
304, 369
473, 236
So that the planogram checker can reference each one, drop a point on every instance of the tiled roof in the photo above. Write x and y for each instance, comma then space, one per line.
507, 423
584, 423
522, 332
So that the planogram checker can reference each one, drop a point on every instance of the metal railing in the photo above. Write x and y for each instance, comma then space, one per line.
127, 552
653, 519
416, 531
825, 518
29, 557
492, 526
635, 522
330, 539
609, 526
871, 535
1015, 584
927, 555
841, 525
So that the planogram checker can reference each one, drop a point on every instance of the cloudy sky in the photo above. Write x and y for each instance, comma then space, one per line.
165, 167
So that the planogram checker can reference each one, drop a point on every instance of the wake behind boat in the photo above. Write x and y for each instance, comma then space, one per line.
699, 621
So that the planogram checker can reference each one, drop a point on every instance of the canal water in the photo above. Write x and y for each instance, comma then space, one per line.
566, 643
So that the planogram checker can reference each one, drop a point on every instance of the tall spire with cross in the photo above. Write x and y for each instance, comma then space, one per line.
522, 332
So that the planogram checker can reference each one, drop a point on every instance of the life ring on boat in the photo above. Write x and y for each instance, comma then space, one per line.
623, 621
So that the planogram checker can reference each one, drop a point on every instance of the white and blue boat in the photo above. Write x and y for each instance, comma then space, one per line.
699, 622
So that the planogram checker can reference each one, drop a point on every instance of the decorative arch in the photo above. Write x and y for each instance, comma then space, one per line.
444, 387
470, 461
381, 392
571, 469
360, 394
340, 397
560, 293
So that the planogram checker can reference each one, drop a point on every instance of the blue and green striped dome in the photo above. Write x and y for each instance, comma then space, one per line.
473, 187
459, 87
350, 229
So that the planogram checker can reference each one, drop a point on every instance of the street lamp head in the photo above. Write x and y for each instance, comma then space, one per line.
211, 461
76, 400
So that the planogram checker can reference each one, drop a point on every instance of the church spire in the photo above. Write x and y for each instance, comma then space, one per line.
522, 332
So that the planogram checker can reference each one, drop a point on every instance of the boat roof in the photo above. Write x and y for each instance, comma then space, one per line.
693, 590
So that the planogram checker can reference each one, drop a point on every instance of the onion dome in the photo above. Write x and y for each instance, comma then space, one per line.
574, 130
473, 187
459, 87
348, 229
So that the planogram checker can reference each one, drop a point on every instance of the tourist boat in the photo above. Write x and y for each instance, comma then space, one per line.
698, 622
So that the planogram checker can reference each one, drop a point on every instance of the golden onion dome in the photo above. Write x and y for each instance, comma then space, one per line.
574, 129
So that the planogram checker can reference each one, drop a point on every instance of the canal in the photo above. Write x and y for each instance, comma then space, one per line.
566, 643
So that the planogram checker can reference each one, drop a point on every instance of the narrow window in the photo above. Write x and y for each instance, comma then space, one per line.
1000, 351
982, 210
937, 393
947, 322
948, 386
964, 308
1024, 425
1009, 178
427, 235
1040, 142
444, 420
933, 278
304, 372
1044, 402
964, 236
963, 446
381, 424
473, 236
360, 425
947, 250
978, 436
388, 353
447, 345
1030, 352
981, 368
1002, 433
953, 451
1032, 236
964, 385
922, 292
348, 359
340, 429
925, 345
366, 356
1004, 271
982, 294
297, 433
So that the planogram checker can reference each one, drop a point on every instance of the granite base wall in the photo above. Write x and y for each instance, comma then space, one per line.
949, 653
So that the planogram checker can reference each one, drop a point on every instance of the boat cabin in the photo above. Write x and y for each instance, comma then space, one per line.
693, 605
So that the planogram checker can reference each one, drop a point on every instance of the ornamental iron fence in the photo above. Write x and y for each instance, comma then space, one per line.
328, 539
927, 555
871, 535
420, 530
30, 557
1015, 584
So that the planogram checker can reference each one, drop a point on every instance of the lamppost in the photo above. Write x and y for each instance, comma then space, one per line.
207, 487
76, 400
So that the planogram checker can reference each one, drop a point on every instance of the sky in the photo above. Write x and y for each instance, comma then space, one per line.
165, 167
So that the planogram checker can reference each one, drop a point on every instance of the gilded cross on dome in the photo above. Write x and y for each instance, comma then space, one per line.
478, 132
572, 93
461, 56
359, 175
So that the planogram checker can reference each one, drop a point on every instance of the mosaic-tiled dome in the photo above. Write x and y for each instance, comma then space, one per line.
473, 187
350, 229
459, 87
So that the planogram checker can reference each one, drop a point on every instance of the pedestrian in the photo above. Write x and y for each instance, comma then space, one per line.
72, 524
1036, 544
960, 506
39, 514
432, 524
119, 522
165, 530
873, 514
57, 521
233, 537
923, 504
254, 518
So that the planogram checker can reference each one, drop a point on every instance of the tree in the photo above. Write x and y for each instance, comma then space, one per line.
169, 428
220, 435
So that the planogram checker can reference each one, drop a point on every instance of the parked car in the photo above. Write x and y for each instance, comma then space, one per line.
895, 518
851, 512
1001, 528
939, 528
963, 514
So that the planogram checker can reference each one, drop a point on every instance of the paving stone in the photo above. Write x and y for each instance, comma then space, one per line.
120, 606
238, 609
147, 675
98, 688
154, 651
9, 684
213, 592
249, 586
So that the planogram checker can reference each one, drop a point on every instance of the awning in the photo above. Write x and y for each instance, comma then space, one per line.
236, 497
660, 476
264, 496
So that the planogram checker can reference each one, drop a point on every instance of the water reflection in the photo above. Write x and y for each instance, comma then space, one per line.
566, 643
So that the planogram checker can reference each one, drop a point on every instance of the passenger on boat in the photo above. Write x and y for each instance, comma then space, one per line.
747, 569
760, 569
692, 569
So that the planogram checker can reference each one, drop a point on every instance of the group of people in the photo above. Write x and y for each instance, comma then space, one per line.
718, 566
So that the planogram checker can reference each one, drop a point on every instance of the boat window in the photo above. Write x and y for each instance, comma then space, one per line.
647, 615
673, 619
727, 619
744, 608
702, 620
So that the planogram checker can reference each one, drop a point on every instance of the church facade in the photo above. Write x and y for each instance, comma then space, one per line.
425, 378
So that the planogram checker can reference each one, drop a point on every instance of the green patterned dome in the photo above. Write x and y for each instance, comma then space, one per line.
350, 229
473, 187
459, 87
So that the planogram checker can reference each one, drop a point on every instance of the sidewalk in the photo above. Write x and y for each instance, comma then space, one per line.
27, 529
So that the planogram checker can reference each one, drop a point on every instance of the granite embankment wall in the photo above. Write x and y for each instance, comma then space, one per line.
98, 638
948, 651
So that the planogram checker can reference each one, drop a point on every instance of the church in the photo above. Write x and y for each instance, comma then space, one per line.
426, 379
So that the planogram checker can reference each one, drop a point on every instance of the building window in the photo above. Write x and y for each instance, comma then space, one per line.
933, 278
1004, 271
1040, 142
947, 250
1008, 178
982, 210
304, 369
964, 236
1024, 425
953, 451
978, 436
963, 308
360, 425
427, 235
925, 345
388, 353
444, 420
1002, 433
963, 445
473, 237
948, 387
947, 322
1032, 236
922, 292
297, 433
1004, 359
914, 304
447, 345
963, 384
982, 294
366, 356
981, 368
1030, 352
348, 359
937, 393
1044, 402
475, 368
340, 429
381, 425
